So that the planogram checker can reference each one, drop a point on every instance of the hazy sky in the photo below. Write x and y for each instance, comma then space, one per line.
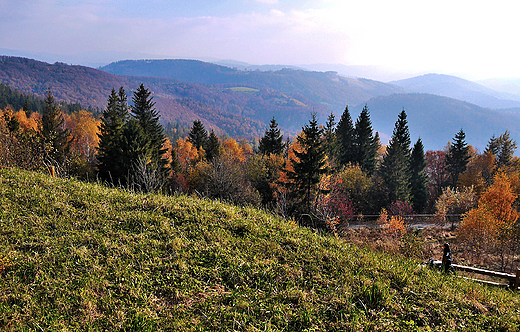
471, 39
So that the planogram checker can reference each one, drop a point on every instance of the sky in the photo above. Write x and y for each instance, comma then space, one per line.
471, 39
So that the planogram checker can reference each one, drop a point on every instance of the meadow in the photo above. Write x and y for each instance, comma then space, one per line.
78, 256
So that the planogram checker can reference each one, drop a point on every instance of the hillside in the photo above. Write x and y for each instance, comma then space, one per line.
241, 103
458, 88
231, 109
327, 88
78, 256
71, 84
437, 119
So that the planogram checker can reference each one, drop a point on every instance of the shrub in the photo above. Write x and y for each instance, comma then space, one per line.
394, 226
453, 203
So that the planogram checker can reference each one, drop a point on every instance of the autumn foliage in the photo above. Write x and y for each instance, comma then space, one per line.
393, 225
491, 225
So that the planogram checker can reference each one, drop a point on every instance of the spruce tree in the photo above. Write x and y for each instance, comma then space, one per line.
345, 138
457, 158
419, 178
503, 148
55, 136
329, 137
213, 146
198, 136
310, 164
366, 145
110, 153
395, 168
272, 141
148, 118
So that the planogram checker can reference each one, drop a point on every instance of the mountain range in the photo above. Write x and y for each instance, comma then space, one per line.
240, 101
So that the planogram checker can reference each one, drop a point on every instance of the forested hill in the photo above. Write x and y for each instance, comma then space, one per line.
72, 84
241, 103
437, 119
326, 88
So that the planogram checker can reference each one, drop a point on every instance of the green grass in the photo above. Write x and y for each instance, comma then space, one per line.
244, 89
84, 257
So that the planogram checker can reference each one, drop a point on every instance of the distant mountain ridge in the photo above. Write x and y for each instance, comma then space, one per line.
437, 119
458, 88
327, 88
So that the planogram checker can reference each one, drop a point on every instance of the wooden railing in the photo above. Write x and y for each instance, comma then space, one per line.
513, 280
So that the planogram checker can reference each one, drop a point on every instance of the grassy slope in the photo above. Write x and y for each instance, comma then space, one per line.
84, 257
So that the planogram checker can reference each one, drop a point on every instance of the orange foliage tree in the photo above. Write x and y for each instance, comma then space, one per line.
84, 128
491, 225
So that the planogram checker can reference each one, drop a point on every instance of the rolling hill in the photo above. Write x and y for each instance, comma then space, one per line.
241, 103
437, 119
77, 256
326, 88
458, 88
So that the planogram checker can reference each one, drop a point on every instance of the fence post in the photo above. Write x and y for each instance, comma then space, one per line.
517, 280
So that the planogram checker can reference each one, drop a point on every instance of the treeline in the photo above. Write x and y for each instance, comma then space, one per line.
326, 176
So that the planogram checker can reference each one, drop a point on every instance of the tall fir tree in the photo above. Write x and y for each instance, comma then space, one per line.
148, 118
366, 145
198, 136
345, 138
503, 148
395, 168
329, 138
272, 141
419, 178
110, 153
457, 158
55, 136
309, 165
213, 146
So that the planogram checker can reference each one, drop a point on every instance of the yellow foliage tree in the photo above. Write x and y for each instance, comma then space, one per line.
84, 127
490, 226
187, 154
27, 123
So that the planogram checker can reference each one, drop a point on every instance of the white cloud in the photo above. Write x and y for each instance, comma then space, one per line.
444, 36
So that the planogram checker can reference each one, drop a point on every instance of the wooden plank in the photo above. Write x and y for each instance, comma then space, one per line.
495, 274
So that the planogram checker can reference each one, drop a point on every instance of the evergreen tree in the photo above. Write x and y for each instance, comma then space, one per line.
213, 147
110, 153
345, 138
310, 164
395, 168
198, 136
135, 147
419, 178
55, 136
330, 137
503, 148
366, 145
148, 119
457, 158
272, 142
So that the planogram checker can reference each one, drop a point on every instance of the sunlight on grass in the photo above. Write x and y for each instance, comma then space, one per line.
77, 256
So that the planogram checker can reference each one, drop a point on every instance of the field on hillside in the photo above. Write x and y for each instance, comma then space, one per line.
76, 256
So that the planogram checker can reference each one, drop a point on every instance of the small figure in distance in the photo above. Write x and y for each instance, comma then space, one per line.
447, 259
